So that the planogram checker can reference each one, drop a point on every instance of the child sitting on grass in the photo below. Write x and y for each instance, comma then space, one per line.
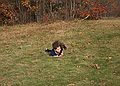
57, 49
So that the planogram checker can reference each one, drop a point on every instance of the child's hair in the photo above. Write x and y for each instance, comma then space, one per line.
57, 44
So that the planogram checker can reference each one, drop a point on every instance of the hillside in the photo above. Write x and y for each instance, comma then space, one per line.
92, 57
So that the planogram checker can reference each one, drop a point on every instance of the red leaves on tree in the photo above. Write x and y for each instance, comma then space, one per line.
93, 9
7, 14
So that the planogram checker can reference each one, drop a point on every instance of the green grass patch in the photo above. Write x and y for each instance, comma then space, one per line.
92, 57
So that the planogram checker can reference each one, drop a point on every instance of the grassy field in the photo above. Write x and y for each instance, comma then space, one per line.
92, 57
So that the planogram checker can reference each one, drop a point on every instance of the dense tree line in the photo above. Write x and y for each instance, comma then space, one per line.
25, 11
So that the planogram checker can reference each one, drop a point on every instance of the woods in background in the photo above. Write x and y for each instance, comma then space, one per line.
25, 11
